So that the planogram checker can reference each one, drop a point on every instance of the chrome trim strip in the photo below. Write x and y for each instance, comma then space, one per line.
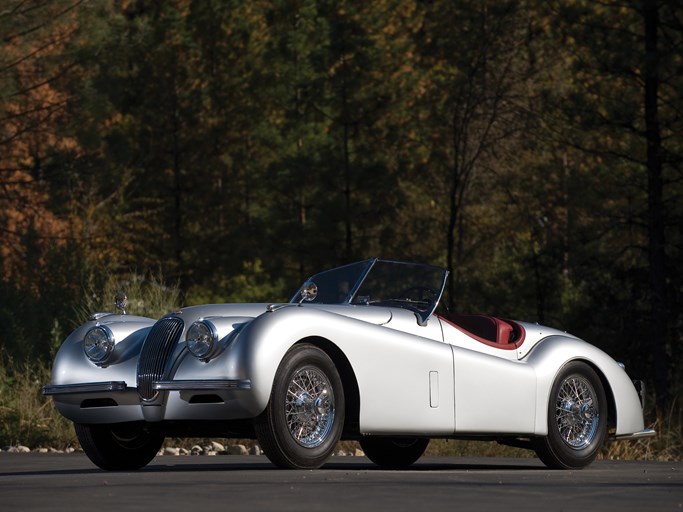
641, 434
86, 387
200, 385
270, 308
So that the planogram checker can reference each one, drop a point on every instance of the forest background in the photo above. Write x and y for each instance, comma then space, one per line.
216, 151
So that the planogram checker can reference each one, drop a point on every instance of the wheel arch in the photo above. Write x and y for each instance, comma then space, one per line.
349, 381
262, 345
551, 355
609, 393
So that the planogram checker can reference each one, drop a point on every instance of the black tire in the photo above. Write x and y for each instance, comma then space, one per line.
393, 453
577, 419
304, 418
120, 447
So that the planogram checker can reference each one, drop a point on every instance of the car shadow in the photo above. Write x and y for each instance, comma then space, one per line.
253, 463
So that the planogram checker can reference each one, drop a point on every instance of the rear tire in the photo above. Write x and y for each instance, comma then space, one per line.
577, 419
393, 453
303, 420
120, 447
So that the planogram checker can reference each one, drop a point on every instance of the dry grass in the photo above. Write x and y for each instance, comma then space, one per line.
666, 446
26, 416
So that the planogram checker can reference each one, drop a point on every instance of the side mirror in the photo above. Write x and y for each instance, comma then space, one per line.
309, 291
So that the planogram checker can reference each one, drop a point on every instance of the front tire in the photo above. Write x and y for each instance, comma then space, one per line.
304, 418
120, 447
393, 453
577, 419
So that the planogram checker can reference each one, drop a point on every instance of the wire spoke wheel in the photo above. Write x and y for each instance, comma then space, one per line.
304, 417
577, 419
309, 407
576, 413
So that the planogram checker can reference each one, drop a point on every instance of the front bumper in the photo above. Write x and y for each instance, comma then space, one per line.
116, 402
200, 385
86, 387
162, 385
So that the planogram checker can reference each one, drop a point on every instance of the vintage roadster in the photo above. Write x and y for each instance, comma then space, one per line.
360, 352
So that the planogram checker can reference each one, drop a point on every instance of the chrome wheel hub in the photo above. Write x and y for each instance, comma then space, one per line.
577, 412
309, 407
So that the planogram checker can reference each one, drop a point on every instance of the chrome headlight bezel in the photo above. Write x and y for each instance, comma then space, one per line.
98, 344
201, 339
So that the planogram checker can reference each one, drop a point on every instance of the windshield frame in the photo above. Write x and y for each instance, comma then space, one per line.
422, 309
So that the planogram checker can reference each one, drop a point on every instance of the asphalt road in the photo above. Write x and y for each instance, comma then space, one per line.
34, 482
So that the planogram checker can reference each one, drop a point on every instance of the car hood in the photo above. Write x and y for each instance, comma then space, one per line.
374, 315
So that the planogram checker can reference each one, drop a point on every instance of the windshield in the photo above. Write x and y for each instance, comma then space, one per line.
381, 283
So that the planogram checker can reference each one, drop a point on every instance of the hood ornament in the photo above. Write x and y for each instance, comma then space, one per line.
121, 301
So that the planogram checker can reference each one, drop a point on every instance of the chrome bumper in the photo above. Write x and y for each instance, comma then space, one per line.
641, 434
200, 385
87, 387
163, 385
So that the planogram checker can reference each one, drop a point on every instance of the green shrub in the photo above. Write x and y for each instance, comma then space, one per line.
148, 295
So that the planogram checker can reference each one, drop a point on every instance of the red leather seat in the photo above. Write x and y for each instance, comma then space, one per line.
489, 328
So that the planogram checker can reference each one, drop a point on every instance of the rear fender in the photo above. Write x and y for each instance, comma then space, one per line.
551, 354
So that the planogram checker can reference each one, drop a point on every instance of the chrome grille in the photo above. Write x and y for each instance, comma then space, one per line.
158, 347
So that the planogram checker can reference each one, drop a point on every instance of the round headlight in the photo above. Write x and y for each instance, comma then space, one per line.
201, 339
98, 344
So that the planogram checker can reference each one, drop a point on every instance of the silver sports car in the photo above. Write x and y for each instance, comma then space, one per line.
361, 352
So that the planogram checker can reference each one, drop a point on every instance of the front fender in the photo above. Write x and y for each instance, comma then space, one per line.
259, 348
72, 369
252, 353
551, 354
400, 376
71, 366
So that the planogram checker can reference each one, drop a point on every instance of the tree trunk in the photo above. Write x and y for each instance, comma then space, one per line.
658, 315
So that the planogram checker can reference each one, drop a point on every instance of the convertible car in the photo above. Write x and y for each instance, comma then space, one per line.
361, 352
